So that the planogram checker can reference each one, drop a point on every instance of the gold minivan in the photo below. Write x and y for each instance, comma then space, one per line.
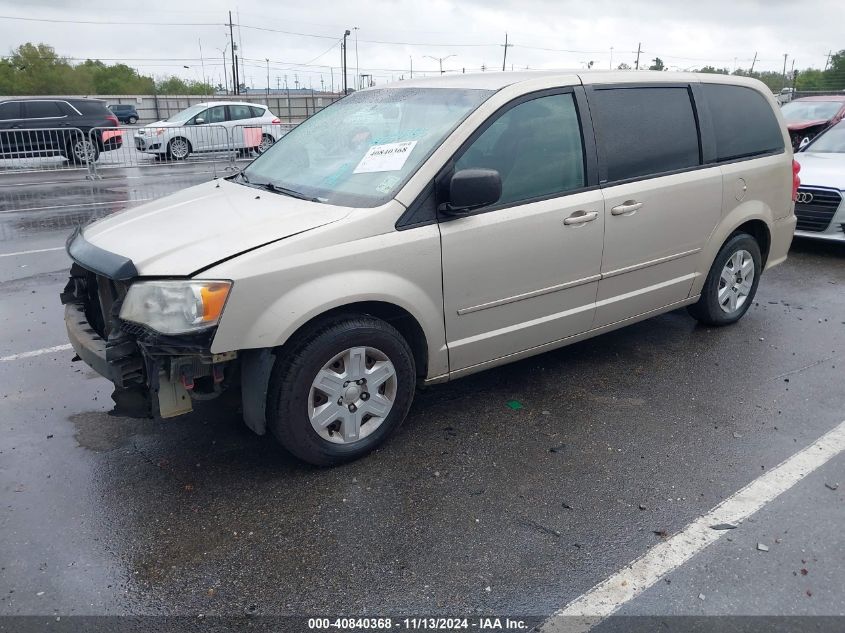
430, 229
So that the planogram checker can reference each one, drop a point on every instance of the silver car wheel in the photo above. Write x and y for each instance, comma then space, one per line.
179, 148
352, 395
736, 281
266, 143
83, 150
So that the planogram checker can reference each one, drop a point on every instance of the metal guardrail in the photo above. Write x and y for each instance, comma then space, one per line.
46, 149
220, 147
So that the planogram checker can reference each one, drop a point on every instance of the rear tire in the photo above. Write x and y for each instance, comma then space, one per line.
731, 283
340, 389
133, 120
80, 150
266, 143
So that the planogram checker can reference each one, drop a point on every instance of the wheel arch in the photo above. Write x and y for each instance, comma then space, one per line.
257, 364
754, 218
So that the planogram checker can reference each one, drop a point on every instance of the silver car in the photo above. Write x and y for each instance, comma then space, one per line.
423, 231
819, 204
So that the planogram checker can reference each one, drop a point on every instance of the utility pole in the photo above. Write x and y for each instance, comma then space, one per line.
202, 64
753, 61
412, 65
287, 90
331, 69
267, 59
440, 61
223, 68
346, 34
505, 58
358, 82
827, 61
639, 50
235, 88
610, 67
784, 69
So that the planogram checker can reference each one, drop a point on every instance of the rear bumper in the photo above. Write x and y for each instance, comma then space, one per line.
781, 239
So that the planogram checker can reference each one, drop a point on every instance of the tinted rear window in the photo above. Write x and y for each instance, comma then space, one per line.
10, 110
645, 131
743, 121
95, 108
42, 109
257, 111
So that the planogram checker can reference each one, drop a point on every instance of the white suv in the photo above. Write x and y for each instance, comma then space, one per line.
211, 127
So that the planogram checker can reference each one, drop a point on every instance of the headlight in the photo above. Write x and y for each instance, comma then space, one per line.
175, 307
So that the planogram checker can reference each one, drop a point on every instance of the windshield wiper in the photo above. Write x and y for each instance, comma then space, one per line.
269, 186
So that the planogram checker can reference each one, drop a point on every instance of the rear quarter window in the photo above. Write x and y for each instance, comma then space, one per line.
91, 108
743, 122
645, 131
256, 111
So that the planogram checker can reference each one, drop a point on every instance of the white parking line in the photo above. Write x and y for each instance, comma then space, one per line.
36, 352
605, 598
37, 250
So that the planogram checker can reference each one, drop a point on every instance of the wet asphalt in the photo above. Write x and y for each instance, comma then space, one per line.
473, 506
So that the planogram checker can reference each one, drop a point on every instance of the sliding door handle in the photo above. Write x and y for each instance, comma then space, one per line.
629, 207
581, 217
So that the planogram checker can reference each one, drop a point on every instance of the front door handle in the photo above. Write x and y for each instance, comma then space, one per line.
581, 217
629, 207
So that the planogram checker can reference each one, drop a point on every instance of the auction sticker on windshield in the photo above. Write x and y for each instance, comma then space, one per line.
387, 157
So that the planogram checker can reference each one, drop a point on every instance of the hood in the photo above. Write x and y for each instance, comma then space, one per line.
803, 125
822, 169
197, 227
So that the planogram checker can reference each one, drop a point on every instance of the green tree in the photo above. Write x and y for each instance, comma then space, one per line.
657, 65
177, 86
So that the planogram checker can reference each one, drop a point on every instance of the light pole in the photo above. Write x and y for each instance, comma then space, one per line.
225, 79
346, 34
267, 59
357, 66
440, 60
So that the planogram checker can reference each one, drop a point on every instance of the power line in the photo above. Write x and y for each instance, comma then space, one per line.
100, 22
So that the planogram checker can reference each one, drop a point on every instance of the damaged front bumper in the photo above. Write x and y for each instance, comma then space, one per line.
154, 375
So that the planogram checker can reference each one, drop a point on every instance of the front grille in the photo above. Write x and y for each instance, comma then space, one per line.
816, 213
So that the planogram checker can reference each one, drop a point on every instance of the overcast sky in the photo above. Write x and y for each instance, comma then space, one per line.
391, 32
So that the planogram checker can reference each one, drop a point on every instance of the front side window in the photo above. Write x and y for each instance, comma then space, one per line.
645, 131
217, 114
536, 148
360, 150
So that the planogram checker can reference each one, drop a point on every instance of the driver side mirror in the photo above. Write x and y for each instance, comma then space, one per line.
199, 121
471, 189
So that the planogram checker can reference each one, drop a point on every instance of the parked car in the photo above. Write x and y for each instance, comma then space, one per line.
207, 127
807, 116
819, 207
57, 127
125, 112
429, 230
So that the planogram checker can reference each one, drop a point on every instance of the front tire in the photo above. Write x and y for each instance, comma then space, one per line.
340, 389
731, 283
178, 148
133, 120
